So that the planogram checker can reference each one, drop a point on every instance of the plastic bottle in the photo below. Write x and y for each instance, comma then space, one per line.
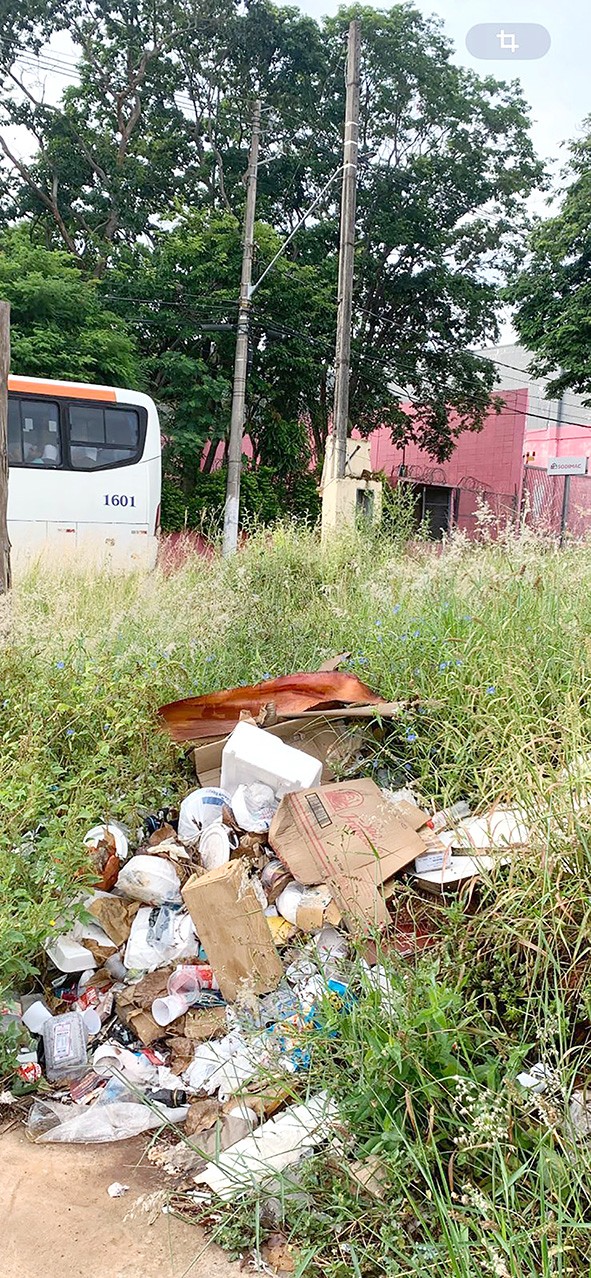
64, 1041
448, 816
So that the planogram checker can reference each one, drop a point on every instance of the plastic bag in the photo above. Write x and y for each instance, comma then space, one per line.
198, 810
152, 879
116, 1115
159, 936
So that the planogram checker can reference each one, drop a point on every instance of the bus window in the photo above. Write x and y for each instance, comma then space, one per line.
33, 433
103, 436
15, 439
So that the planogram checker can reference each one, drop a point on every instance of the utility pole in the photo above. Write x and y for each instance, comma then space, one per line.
347, 251
232, 509
566, 489
5, 575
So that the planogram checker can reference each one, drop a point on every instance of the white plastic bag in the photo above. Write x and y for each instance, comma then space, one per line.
50, 1122
151, 879
199, 809
160, 935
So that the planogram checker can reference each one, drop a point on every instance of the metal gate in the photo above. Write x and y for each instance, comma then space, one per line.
554, 504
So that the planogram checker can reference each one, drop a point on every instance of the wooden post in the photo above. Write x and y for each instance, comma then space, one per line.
5, 576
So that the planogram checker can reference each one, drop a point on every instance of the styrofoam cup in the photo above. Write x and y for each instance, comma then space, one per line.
165, 1010
35, 1017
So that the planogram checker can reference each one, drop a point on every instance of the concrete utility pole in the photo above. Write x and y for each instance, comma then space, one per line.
5, 576
347, 251
232, 509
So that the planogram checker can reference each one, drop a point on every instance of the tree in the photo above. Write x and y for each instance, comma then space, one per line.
182, 296
553, 293
60, 327
159, 123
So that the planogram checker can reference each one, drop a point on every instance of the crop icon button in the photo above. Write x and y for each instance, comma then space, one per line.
508, 41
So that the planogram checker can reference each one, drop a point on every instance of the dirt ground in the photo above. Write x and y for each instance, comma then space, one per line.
57, 1220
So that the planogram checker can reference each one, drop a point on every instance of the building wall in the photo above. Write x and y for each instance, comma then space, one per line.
493, 456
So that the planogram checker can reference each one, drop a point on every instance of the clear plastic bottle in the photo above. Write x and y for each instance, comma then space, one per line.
64, 1040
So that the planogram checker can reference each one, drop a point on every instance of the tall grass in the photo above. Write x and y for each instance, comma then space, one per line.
491, 645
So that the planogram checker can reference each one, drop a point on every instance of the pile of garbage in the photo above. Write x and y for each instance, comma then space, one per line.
186, 990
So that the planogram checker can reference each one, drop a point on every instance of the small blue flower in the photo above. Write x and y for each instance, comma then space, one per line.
210, 658
490, 691
416, 634
443, 665
397, 607
266, 676
362, 661
378, 622
467, 617
61, 665
459, 661
69, 732
404, 638
411, 736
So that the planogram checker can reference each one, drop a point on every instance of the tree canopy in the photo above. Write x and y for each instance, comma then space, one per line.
60, 327
553, 292
138, 176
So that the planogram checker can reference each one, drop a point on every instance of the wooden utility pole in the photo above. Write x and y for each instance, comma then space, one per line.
232, 509
5, 576
347, 251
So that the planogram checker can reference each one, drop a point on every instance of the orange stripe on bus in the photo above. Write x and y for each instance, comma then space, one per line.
61, 390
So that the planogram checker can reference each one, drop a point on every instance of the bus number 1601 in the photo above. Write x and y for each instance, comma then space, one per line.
114, 500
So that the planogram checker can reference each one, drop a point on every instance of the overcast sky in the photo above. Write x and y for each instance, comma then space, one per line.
557, 86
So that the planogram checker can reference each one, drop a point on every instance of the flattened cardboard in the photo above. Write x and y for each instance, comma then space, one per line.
351, 838
115, 916
233, 930
202, 1023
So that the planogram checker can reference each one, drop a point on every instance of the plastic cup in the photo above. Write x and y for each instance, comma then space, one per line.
35, 1017
185, 982
166, 1010
92, 1021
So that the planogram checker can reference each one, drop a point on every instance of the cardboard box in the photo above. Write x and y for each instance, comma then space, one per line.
349, 837
233, 930
329, 742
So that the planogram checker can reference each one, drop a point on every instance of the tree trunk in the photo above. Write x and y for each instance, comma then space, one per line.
5, 576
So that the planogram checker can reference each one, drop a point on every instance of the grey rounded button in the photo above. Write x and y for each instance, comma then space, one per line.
508, 41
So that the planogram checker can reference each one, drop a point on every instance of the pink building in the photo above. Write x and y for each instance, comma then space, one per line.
504, 463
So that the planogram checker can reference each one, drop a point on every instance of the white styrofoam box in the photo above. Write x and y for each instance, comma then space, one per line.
69, 955
251, 754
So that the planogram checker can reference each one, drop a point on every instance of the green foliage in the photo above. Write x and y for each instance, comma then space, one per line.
160, 123
60, 328
478, 1178
263, 500
553, 292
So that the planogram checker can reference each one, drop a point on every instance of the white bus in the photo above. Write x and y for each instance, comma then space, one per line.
84, 469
